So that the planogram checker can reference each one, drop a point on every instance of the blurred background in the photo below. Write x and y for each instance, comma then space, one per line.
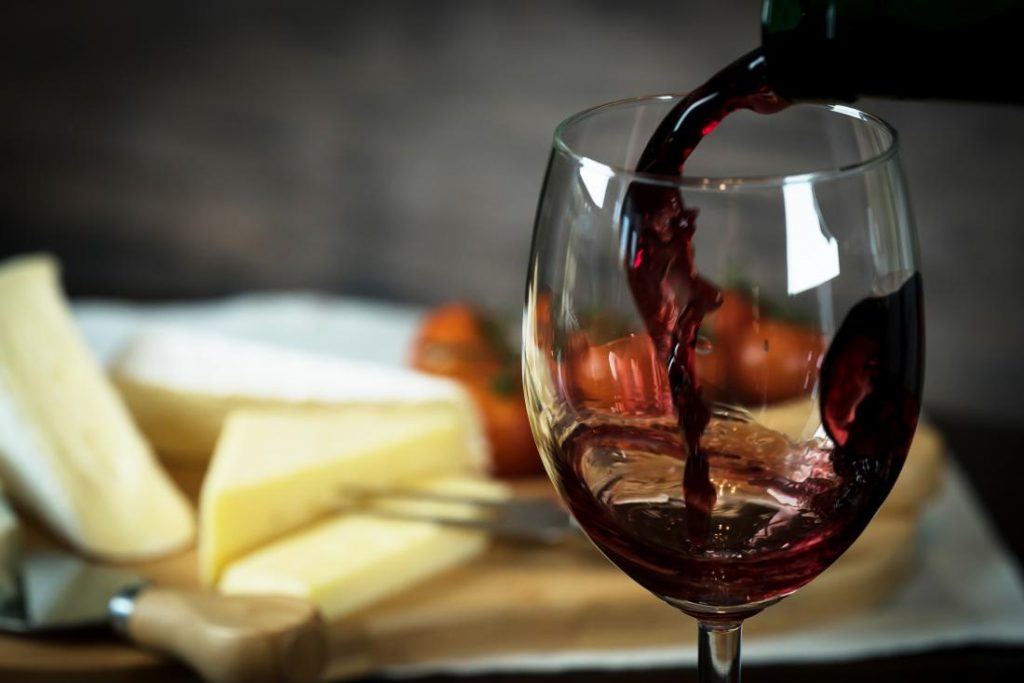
395, 150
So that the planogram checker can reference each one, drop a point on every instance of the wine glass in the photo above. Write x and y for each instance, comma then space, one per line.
732, 479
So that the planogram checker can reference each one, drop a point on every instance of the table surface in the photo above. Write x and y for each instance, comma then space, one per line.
986, 452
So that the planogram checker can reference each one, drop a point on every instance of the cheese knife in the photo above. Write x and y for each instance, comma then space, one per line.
226, 639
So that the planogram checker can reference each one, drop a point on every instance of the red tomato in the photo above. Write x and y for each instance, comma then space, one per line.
452, 341
774, 361
624, 375
730, 320
717, 342
513, 450
457, 342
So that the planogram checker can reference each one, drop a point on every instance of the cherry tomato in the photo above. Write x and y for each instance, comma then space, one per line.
513, 450
774, 361
730, 320
623, 375
452, 341
458, 342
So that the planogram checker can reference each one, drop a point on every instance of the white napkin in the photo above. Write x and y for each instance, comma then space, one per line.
967, 590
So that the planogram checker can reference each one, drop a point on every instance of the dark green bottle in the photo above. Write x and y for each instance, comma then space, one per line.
845, 49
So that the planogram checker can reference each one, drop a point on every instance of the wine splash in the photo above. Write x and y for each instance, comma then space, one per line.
786, 505
670, 294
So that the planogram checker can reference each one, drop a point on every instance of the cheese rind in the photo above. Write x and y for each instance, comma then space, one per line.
181, 385
68, 448
353, 560
277, 470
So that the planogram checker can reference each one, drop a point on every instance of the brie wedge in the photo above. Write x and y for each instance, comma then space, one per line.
69, 451
180, 385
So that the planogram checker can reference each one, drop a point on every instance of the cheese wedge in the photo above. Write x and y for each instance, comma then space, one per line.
68, 448
353, 560
180, 385
277, 470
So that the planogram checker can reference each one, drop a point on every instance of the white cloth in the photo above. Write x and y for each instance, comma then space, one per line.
967, 590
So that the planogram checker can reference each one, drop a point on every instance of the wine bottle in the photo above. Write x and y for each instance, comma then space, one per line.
846, 49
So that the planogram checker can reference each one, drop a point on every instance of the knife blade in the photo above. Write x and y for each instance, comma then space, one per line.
226, 639
60, 591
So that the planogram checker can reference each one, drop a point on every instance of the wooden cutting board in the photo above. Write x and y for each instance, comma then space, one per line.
515, 599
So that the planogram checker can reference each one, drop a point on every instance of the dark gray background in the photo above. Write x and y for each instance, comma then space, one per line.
396, 149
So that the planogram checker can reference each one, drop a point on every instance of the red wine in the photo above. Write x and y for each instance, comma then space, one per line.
786, 505
704, 506
871, 383
671, 296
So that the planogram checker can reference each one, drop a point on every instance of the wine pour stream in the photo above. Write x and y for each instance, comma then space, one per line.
869, 398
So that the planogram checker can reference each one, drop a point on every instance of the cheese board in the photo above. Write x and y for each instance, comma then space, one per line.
291, 431
515, 599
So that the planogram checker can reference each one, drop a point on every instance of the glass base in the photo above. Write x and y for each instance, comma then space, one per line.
711, 614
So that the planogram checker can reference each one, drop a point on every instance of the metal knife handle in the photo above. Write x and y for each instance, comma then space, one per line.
226, 639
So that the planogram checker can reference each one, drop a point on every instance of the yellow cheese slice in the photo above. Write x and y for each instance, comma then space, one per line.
68, 448
275, 470
353, 560
181, 384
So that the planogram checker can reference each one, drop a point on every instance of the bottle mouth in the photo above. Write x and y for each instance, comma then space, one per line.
564, 145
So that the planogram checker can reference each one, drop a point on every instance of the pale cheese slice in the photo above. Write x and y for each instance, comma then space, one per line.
275, 470
68, 448
354, 560
180, 385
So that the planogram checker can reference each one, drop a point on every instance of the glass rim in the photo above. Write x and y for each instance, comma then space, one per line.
727, 183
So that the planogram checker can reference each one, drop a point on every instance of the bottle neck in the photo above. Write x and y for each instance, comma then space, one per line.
845, 49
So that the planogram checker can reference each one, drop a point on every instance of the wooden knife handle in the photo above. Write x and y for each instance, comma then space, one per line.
227, 639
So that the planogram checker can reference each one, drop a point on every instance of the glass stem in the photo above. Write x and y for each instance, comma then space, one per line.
718, 652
